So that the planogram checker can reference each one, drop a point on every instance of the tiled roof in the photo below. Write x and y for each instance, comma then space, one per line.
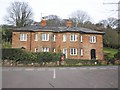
57, 29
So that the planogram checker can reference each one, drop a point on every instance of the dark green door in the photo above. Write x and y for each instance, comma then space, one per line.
93, 54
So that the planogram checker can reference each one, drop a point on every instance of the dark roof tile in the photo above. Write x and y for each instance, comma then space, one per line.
57, 29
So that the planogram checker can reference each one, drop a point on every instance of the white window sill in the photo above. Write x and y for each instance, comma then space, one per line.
64, 41
45, 40
92, 42
73, 41
73, 54
23, 40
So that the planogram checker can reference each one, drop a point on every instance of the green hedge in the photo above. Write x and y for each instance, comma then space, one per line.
17, 55
47, 57
117, 55
76, 61
25, 57
29, 57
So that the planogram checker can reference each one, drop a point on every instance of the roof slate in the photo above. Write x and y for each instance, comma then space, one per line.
38, 28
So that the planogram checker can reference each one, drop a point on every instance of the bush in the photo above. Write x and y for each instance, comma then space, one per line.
22, 56
117, 55
47, 57
83, 62
18, 55
72, 61
25, 57
56, 57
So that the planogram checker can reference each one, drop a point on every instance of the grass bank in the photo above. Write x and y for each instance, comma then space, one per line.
111, 52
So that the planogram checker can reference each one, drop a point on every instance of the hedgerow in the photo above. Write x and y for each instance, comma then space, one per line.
19, 55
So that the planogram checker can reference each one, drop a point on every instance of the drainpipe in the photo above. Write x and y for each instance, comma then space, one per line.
30, 40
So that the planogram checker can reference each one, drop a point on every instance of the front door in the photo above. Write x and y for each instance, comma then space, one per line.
65, 52
93, 54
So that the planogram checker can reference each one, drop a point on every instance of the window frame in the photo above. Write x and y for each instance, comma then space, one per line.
45, 37
36, 50
45, 49
54, 50
36, 36
81, 38
93, 39
73, 51
54, 37
64, 38
81, 52
23, 37
73, 37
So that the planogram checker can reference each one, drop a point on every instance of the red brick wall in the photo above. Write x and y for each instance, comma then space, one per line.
87, 46
59, 44
16, 43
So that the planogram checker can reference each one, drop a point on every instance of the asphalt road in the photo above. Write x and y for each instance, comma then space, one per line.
60, 77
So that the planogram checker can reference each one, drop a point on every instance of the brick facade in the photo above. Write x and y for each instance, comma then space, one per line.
58, 45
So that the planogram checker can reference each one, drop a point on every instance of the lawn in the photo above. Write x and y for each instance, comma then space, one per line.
110, 51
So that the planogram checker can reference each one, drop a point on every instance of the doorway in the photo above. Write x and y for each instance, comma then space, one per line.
65, 52
93, 54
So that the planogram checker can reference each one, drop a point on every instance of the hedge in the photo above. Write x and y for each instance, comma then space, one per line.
25, 57
76, 61
117, 55
28, 57
17, 55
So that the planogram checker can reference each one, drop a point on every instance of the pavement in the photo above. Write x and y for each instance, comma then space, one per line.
60, 77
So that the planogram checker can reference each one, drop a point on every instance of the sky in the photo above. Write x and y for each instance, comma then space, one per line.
63, 8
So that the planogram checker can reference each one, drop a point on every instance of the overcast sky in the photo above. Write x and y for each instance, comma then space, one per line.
63, 8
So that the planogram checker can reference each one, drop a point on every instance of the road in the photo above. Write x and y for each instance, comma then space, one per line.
60, 77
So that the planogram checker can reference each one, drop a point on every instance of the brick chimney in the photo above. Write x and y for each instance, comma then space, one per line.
43, 22
68, 24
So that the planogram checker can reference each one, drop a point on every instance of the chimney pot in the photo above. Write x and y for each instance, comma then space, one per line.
43, 22
69, 24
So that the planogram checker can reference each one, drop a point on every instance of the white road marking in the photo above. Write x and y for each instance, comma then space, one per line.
83, 68
29, 69
72, 68
103, 68
41, 69
92, 68
54, 74
62, 68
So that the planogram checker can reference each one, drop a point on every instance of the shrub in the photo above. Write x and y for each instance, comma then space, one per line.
18, 55
117, 55
56, 57
47, 57
83, 62
72, 61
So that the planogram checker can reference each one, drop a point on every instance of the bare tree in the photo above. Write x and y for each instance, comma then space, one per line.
104, 22
19, 14
111, 22
52, 17
53, 20
79, 17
